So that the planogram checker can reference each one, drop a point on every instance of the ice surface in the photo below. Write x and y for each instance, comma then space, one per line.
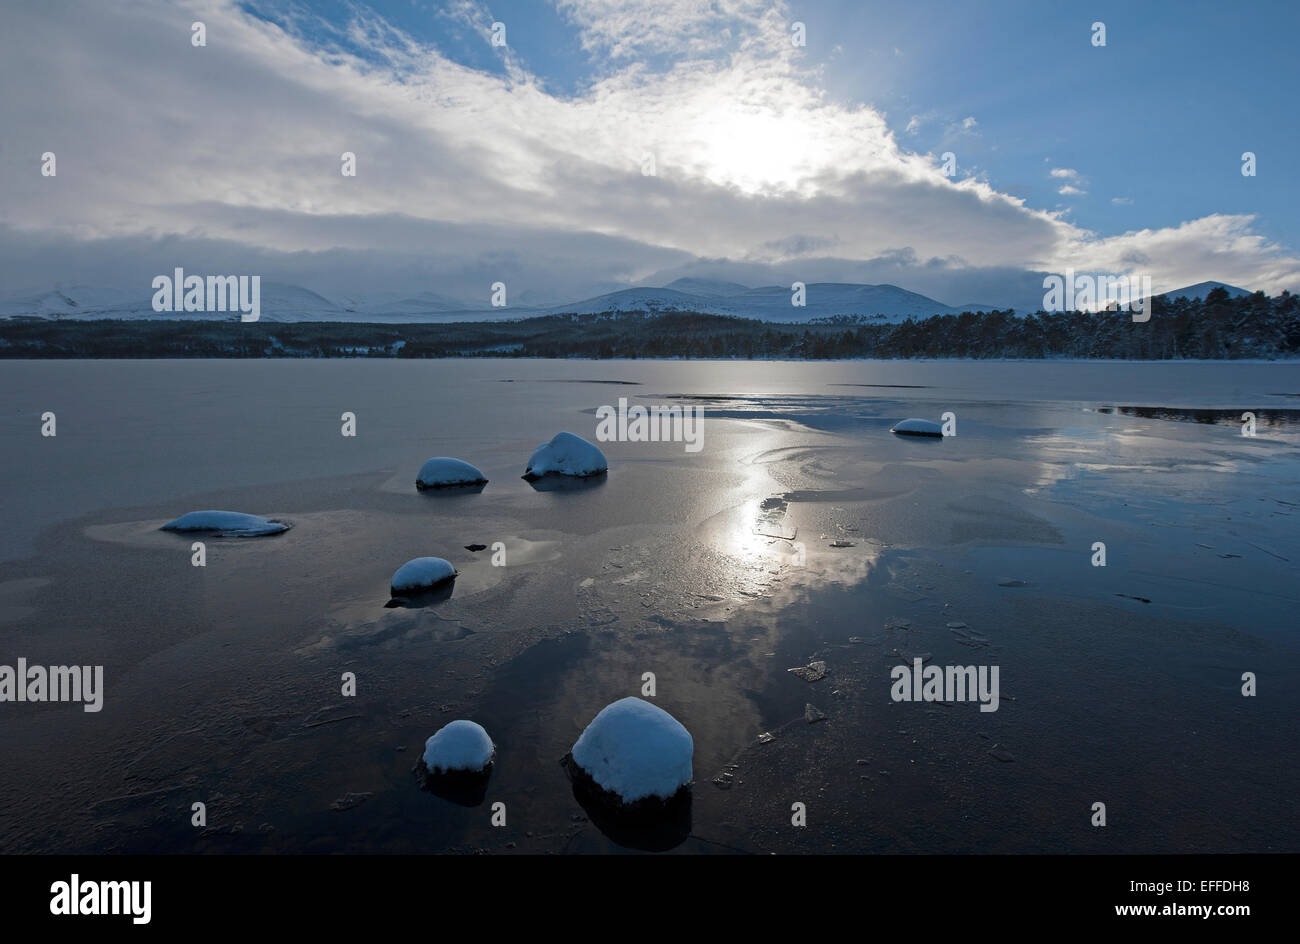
459, 745
566, 454
442, 472
636, 750
421, 574
227, 522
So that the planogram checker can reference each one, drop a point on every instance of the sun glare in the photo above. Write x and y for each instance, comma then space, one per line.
753, 151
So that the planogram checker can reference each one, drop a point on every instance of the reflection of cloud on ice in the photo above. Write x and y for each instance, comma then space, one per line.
347, 629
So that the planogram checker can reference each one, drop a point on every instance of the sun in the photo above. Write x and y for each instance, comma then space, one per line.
754, 151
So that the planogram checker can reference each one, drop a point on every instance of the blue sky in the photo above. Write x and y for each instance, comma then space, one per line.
525, 163
1160, 116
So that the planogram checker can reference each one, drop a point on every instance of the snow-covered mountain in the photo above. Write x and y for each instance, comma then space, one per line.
888, 303
707, 287
72, 301
1201, 289
279, 302
284, 302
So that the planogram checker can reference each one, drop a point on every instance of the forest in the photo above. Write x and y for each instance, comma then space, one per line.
1216, 327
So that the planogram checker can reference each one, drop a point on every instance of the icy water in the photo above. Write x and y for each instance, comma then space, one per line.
802, 531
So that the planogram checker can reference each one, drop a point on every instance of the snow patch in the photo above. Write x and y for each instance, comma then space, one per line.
441, 472
421, 573
915, 427
636, 750
459, 745
566, 454
231, 523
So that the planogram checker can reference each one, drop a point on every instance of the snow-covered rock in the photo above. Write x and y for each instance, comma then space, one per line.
441, 472
914, 427
231, 523
636, 750
566, 454
422, 573
459, 746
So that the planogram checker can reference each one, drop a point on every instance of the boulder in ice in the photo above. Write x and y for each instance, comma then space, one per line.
423, 573
566, 454
459, 746
915, 427
442, 472
636, 751
229, 523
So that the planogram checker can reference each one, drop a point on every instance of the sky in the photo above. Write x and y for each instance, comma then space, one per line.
529, 163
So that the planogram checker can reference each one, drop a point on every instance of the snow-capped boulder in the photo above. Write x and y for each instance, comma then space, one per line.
442, 472
459, 746
423, 573
566, 454
636, 751
914, 427
230, 523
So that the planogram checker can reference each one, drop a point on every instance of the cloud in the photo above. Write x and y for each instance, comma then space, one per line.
1070, 190
466, 174
1220, 246
1066, 173
965, 126
623, 29
1122, 201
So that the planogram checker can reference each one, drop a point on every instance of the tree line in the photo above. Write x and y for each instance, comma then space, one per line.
1216, 327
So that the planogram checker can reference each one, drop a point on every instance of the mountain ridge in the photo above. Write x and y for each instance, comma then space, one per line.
883, 303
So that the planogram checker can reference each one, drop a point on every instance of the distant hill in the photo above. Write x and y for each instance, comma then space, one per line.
1201, 289
281, 302
887, 304
707, 287
72, 300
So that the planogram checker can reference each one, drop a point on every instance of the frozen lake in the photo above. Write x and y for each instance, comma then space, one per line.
801, 531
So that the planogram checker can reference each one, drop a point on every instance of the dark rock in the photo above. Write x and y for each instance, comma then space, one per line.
462, 787
651, 823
